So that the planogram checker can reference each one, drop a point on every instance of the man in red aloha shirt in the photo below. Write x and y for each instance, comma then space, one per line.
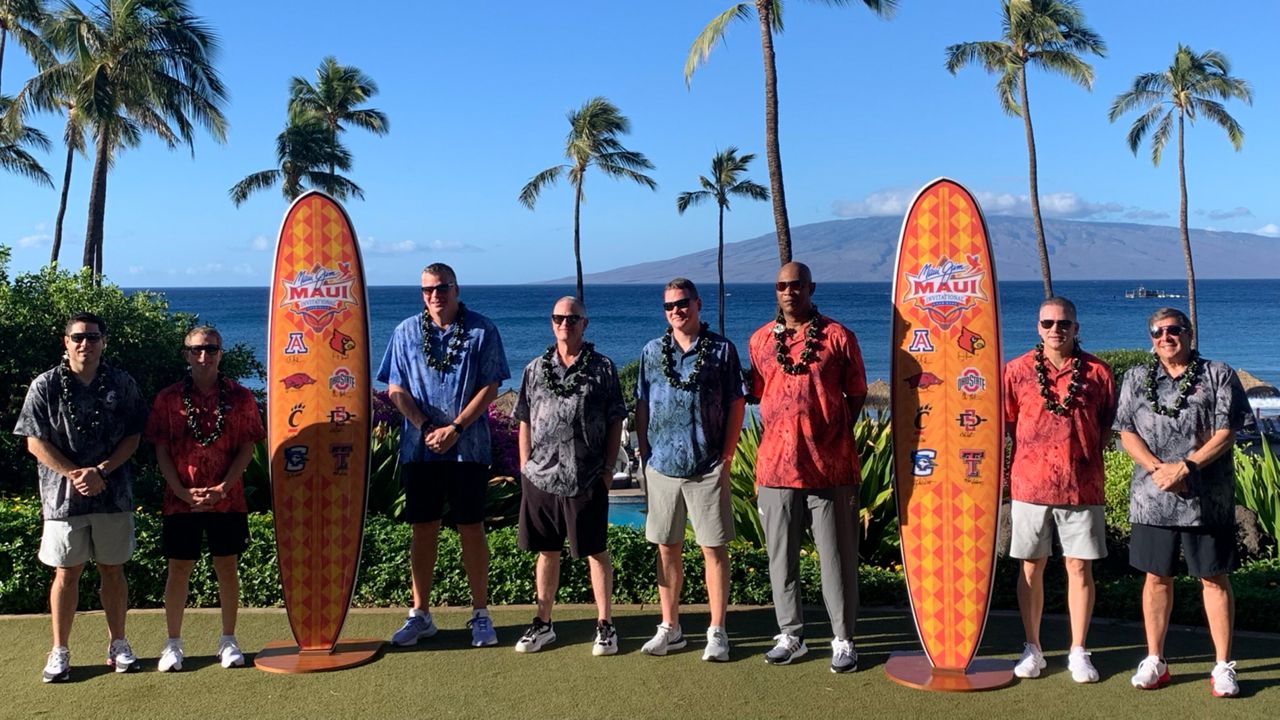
204, 429
1059, 403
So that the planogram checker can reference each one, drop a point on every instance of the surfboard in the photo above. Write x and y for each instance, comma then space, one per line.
947, 426
319, 416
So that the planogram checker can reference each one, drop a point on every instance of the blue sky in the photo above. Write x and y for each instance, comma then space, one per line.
477, 95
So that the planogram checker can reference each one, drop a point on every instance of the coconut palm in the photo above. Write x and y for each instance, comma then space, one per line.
769, 15
73, 138
15, 138
1048, 34
1195, 84
22, 20
305, 149
334, 97
727, 168
592, 142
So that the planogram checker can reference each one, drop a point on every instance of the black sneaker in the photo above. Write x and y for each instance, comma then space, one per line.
539, 635
606, 639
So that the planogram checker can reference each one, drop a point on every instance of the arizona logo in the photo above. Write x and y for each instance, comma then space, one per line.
922, 380
298, 380
971, 382
341, 342
319, 295
297, 345
970, 341
920, 341
945, 291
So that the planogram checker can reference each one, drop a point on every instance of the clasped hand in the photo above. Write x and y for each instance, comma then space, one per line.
1170, 477
87, 481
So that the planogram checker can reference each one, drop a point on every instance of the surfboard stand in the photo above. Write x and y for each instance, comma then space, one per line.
914, 670
283, 656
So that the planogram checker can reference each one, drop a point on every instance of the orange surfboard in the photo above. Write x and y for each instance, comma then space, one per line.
947, 427
319, 416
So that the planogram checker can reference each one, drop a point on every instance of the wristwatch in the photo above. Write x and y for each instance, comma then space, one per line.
456, 427
1192, 467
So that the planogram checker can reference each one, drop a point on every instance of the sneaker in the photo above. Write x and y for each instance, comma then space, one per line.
1081, 667
229, 652
171, 656
539, 635
717, 645
58, 667
120, 656
415, 628
1031, 662
606, 639
789, 648
843, 657
1152, 673
483, 633
667, 638
1223, 679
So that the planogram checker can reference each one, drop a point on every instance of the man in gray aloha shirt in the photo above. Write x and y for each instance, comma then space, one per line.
570, 410
1177, 419
83, 420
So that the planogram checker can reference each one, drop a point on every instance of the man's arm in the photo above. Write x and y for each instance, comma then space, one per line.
612, 441
170, 473
445, 437
211, 496
525, 443
854, 403
642, 428
1173, 476
732, 429
405, 403
86, 481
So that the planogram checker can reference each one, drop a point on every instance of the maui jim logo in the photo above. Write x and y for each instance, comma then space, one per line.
946, 291
319, 295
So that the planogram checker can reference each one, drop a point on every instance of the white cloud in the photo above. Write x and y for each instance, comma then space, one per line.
37, 240
884, 202
373, 246
1226, 214
1066, 205
260, 243
137, 269
206, 269
1140, 214
452, 246
1270, 230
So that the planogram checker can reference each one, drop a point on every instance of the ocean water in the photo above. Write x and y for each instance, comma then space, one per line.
1234, 316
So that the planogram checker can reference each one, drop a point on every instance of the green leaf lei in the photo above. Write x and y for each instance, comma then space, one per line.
571, 376
669, 359
1185, 385
97, 389
193, 413
810, 351
1051, 402
456, 341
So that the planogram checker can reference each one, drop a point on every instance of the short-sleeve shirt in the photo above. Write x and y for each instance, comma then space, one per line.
1217, 402
568, 435
1057, 459
687, 427
121, 412
199, 466
807, 442
441, 396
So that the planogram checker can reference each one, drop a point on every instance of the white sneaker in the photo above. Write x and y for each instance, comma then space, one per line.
1152, 673
1223, 680
539, 635
667, 638
171, 656
606, 639
717, 644
58, 667
844, 658
120, 656
788, 648
229, 652
1031, 662
1081, 667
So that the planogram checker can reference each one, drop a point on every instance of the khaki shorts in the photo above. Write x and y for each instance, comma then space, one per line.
1082, 529
702, 499
105, 538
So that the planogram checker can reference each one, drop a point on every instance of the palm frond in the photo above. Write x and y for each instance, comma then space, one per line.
993, 56
1160, 137
263, 180
1067, 64
626, 173
685, 200
1007, 92
748, 189
529, 194
713, 33
1215, 112
1141, 126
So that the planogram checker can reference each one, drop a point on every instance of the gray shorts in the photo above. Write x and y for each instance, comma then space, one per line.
1082, 529
105, 538
703, 499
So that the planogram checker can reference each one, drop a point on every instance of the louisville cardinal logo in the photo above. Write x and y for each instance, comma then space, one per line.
922, 380
970, 341
297, 380
341, 342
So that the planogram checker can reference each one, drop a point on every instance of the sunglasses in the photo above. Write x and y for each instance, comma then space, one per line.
570, 320
785, 285
682, 303
91, 338
1062, 324
197, 349
432, 289
1170, 330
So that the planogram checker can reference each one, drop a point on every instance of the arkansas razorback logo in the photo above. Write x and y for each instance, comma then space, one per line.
970, 341
341, 342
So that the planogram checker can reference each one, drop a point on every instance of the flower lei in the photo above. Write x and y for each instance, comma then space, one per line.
810, 351
1184, 386
1051, 402
97, 389
452, 349
194, 413
669, 359
569, 387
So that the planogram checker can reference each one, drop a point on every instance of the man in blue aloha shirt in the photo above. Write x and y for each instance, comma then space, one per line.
443, 368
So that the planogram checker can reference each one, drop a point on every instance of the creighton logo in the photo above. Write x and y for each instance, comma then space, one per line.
319, 295
923, 462
946, 291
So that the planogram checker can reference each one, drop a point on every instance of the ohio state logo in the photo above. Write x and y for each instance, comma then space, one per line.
971, 382
946, 291
319, 295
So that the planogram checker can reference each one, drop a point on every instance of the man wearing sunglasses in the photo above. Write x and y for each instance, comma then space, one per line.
83, 420
204, 428
570, 410
807, 370
1178, 417
442, 369
689, 408
1059, 403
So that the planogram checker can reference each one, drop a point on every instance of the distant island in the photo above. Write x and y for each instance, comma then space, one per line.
862, 250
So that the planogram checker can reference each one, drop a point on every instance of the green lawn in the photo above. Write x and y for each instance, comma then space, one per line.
444, 677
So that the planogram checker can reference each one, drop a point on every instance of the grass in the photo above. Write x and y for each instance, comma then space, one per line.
444, 677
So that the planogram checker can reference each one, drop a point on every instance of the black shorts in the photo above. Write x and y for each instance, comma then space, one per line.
428, 484
183, 533
1209, 551
546, 519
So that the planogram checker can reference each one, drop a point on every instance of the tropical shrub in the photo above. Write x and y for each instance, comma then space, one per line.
1122, 360
1258, 486
628, 376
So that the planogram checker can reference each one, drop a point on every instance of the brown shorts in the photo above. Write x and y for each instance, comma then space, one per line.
546, 519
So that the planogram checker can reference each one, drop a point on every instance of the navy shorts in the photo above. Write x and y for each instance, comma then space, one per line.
427, 485
547, 519
1209, 551
183, 534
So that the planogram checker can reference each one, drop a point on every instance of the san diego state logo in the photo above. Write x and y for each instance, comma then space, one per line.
946, 291
319, 295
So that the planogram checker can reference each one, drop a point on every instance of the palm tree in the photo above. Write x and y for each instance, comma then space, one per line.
592, 142
727, 167
304, 149
15, 137
1193, 85
73, 138
334, 97
769, 14
22, 19
1044, 33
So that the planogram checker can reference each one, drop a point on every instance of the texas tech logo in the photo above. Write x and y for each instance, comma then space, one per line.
319, 295
972, 460
946, 291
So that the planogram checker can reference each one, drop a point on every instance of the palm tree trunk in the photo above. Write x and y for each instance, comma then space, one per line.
1035, 185
3, 35
62, 207
1186, 238
720, 266
764, 10
97, 205
577, 238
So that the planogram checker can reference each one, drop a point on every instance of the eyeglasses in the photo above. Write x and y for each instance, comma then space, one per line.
197, 349
682, 303
91, 338
570, 320
441, 288
785, 285
1171, 330
1062, 324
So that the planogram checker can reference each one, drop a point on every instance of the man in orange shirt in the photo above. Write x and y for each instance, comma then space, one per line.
1059, 405
807, 371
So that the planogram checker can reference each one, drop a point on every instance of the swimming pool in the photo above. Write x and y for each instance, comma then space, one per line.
627, 510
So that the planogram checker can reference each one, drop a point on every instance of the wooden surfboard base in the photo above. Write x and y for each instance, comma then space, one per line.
914, 670
283, 656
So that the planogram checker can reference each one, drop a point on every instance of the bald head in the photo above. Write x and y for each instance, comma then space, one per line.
795, 271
